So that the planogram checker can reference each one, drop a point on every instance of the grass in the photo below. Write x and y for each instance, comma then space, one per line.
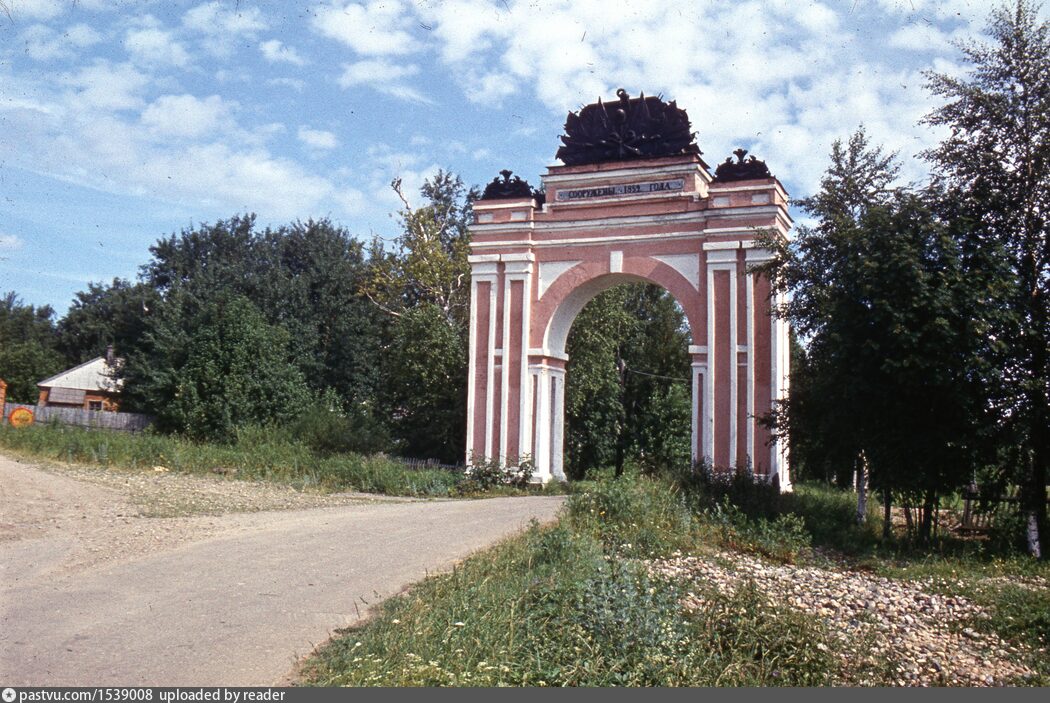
256, 455
574, 605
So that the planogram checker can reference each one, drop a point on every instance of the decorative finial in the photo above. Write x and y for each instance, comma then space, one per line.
508, 187
633, 128
741, 170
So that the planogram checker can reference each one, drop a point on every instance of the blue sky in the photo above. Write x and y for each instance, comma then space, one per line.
123, 121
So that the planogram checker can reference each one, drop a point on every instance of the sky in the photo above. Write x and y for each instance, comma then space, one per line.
124, 121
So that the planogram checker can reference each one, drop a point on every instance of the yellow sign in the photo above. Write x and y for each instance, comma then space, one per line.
20, 417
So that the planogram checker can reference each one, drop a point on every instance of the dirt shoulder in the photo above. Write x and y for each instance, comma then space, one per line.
86, 516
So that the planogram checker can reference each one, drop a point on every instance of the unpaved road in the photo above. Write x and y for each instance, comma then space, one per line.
95, 590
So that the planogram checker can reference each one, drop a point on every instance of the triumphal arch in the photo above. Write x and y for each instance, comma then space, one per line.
631, 201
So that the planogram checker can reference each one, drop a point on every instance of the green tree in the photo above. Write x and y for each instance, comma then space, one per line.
425, 384
115, 314
428, 264
228, 368
995, 166
306, 278
423, 287
627, 387
28, 347
879, 292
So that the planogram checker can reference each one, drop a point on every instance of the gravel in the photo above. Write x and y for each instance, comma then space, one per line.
82, 517
919, 635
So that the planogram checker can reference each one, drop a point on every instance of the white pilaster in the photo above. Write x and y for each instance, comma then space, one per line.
541, 449
558, 424
749, 306
483, 270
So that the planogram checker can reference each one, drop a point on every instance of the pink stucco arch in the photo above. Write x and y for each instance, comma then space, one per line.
665, 221
562, 302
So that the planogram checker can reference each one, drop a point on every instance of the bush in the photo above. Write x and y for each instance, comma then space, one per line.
707, 487
488, 474
558, 607
327, 429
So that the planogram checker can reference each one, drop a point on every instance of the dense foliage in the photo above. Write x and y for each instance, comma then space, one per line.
627, 386
995, 169
28, 347
880, 292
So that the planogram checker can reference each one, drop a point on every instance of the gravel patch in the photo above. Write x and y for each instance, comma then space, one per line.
82, 517
916, 631
159, 492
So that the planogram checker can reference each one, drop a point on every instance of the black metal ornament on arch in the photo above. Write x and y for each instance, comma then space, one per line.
509, 188
631, 128
742, 169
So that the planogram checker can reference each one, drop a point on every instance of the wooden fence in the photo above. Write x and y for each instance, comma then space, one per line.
95, 419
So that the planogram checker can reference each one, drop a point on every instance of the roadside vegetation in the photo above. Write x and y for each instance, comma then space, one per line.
585, 602
257, 454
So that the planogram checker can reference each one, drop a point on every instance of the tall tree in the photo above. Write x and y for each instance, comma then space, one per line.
226, 369
306, 277
115, 314
879, 291
995, 165
28, 347
423, 286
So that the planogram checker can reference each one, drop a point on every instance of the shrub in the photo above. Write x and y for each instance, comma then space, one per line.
707, 486
488, 474
328, 429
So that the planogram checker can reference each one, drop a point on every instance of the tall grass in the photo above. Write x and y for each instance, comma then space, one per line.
255, 455
574, 605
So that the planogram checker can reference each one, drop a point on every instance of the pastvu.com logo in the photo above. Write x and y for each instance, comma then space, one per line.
8, 695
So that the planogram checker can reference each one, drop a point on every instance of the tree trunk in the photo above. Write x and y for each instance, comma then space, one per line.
926, 518
861, 475
1033, 507
1033, 489
887, 501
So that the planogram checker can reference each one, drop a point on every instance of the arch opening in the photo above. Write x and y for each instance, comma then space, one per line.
628, 381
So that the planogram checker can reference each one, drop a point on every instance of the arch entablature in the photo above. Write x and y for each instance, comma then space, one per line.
535, 263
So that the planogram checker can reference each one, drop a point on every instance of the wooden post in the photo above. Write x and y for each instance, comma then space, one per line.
3, 400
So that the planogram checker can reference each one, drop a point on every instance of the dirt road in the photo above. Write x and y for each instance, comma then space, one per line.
95, 589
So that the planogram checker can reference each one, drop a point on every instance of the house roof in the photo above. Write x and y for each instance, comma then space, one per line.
94, 375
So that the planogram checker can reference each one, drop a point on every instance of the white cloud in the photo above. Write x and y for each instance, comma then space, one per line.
9, 242
107, 86
317, 138
377, 28
45, 44
352, 200
274, 52
156, 46
187, 116
222, 24
921, 36
36, 9
216, 17
295, 84
383, 76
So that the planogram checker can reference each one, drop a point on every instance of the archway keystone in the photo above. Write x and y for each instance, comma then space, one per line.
639, 206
